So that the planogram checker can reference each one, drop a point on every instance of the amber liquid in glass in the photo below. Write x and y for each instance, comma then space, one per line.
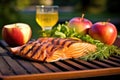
47, 20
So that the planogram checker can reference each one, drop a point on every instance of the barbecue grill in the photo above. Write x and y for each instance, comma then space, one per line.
14, 67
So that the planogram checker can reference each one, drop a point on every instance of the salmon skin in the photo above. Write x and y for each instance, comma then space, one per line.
54, 49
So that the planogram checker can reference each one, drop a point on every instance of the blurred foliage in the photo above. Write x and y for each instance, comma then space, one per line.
46, 2
9, 8
97, 7
12, 11
92, 6
8, 14
22, 4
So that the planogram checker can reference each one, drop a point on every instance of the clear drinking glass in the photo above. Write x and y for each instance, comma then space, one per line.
46, 16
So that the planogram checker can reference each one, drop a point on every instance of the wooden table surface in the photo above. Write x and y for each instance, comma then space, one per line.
16, 68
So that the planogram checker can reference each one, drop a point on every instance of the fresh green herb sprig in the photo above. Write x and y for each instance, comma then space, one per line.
103, 51
63, 31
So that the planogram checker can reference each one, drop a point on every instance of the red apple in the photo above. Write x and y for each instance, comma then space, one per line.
80, 24
16, 34
106, 32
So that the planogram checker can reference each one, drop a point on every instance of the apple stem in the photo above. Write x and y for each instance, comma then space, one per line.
83, 15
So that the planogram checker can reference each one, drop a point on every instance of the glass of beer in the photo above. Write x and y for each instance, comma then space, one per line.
46, 16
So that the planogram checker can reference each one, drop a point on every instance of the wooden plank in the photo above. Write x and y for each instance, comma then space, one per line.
63, 66
114, 64
4, 68
41, 67
114, 59
88, 64
101, 64
67, 75
2, 50
75, 65
14, 65
52, 67
28, 66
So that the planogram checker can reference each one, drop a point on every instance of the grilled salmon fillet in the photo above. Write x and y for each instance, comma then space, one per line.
54, 49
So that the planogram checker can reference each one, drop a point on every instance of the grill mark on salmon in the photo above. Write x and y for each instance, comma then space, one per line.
45, 39
55, 41
50, 48
58, 41
24, 47
44, 49
63, 42
41, 50
67, 43
37, 46
53, 49
36, 52
28, 52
